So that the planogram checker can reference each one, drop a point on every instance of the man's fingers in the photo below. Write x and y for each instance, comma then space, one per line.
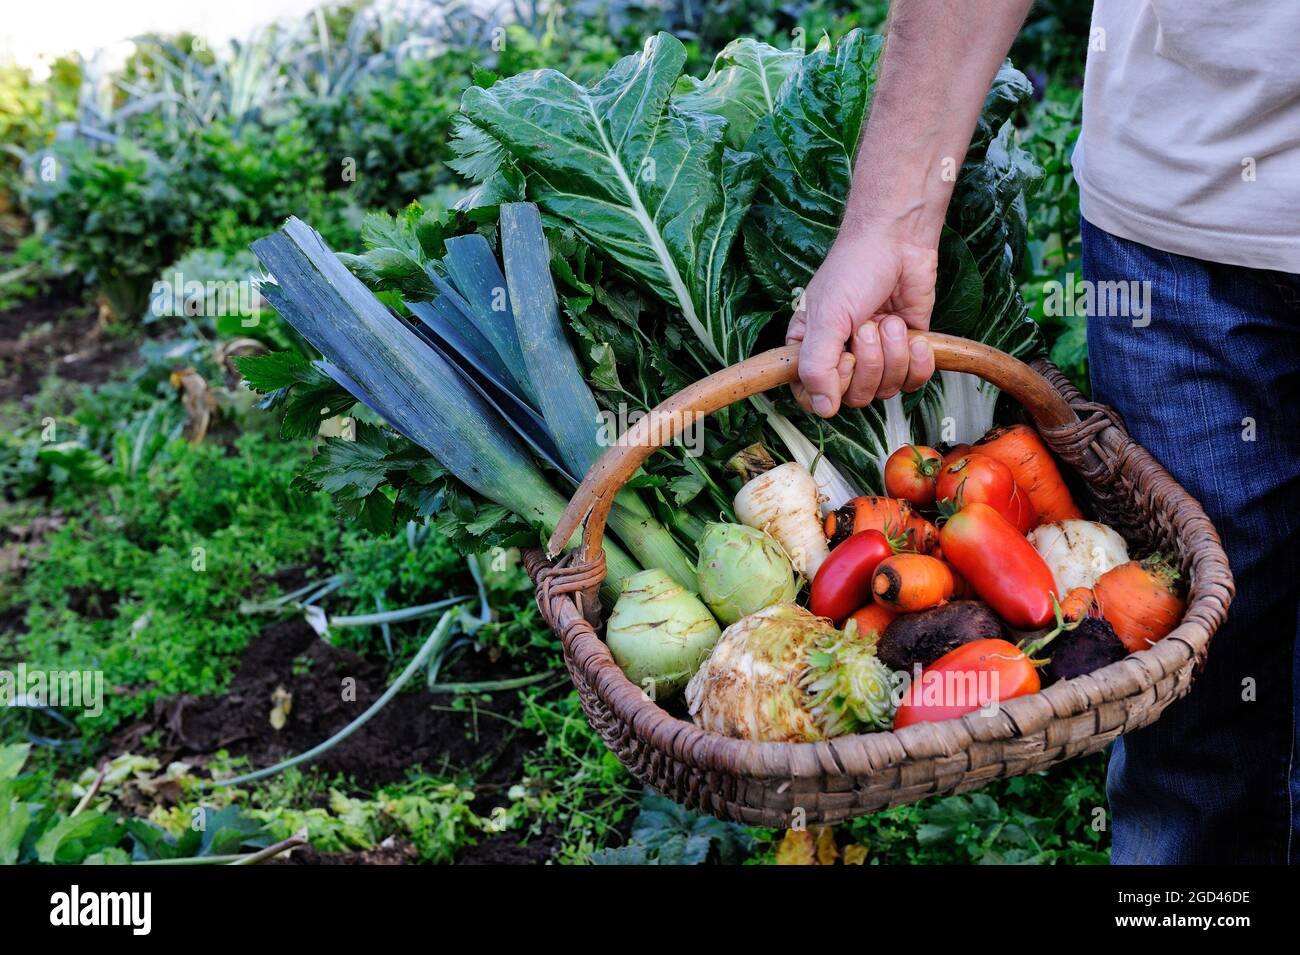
794, 336
845, 370
921, 365
868, 367
819, 357
798, 325
893, 344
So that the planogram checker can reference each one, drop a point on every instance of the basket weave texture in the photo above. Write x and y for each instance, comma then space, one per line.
775, 784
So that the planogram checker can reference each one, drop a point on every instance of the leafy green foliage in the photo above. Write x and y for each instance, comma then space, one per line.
114, 218
1053, 250
1045, 818
435, 816
579, 786
808, 146
667, 834
376, 478
651, 185
32, 832
807, 141
122, 215
742, 87
382, 141
30, 112
144, 578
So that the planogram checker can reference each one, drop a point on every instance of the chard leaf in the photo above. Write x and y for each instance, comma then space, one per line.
988, 212
806, 149
742, 86
651, 185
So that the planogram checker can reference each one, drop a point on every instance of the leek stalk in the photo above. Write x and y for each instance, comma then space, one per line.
415, 390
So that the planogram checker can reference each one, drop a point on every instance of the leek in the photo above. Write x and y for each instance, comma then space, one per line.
390, 369
485, 320
563, 395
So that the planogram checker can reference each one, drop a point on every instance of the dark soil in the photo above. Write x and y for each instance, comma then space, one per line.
59, 334
506, 849
391, 851
94, 603
406, 734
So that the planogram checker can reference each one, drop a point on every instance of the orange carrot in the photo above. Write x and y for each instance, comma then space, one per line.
873, 618
908, 583
1031, 464
1076, 604
1140, 600
893, 517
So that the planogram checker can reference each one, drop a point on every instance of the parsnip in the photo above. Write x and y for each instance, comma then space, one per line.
783, 502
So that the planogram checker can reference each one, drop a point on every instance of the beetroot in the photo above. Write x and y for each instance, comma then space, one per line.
1089, 646
924, 637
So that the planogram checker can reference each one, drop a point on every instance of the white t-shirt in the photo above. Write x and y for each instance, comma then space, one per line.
1191, 128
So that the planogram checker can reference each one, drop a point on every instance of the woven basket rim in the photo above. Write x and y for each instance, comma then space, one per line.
1210, 591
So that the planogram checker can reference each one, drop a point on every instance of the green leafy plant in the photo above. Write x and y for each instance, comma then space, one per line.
667, 834
35, 832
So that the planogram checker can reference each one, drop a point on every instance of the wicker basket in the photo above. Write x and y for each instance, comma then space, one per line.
771, 784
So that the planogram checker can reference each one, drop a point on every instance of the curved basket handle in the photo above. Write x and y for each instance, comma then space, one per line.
772, 369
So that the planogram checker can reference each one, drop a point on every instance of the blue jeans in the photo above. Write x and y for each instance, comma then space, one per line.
1211, 387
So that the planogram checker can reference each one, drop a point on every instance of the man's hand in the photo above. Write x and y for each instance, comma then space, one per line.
871, 289
878, 278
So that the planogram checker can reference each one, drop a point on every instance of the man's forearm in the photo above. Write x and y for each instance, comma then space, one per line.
940, 60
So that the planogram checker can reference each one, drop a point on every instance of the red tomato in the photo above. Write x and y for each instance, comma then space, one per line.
1001, 565
976, 478
955, 452
990, 671
910, 473
843, 582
